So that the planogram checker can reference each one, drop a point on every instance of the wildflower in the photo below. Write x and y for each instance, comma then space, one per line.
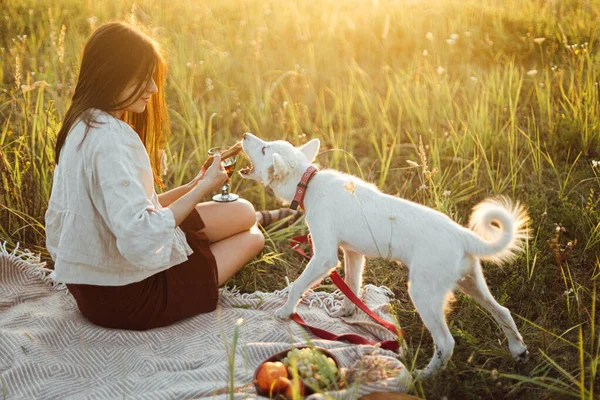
350, 187
93, 20
446, 193
539, 40
469, 360
429, 36
28, 88
285, 103
454, 36
532, 72
61, 44
440, 70
425, 53
17, 71
423, 187
450, 41
595, 163
239, 322
163, 162
474, 79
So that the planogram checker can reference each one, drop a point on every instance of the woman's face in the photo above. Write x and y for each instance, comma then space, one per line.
140, 104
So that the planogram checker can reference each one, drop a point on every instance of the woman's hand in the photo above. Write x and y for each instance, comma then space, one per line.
215, 176
197, 178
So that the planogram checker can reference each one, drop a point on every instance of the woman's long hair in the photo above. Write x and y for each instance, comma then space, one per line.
115, 56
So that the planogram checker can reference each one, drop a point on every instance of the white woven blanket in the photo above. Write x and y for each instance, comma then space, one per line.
49, 351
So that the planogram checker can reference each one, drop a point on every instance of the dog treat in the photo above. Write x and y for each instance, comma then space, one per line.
230, 152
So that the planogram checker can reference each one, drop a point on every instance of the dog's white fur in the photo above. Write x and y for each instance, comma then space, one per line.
344, 211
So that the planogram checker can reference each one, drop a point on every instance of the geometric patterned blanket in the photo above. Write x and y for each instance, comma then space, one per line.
48, 350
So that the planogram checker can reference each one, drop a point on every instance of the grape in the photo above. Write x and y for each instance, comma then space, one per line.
314, 367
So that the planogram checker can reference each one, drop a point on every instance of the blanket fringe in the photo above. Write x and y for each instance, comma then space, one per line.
329, 302
30, 263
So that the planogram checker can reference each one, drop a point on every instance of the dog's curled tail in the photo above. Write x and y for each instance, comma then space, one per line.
501, 242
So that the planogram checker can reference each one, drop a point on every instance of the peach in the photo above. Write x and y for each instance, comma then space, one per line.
268, 375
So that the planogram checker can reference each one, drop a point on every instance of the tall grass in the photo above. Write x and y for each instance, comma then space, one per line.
440, 102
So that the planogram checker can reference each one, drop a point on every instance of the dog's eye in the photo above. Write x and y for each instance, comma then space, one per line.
263, 150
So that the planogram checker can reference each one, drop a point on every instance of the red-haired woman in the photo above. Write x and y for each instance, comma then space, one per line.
131, 258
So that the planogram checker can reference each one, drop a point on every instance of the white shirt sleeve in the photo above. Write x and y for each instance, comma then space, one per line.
121, 187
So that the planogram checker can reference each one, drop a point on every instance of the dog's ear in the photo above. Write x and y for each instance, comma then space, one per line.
311, 149
277, 170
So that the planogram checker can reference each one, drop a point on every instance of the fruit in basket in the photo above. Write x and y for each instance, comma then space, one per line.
279, 385
289, 391
315, 369
269, 377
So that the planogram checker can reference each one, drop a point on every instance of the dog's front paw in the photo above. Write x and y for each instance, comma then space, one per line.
522, 357
283, 313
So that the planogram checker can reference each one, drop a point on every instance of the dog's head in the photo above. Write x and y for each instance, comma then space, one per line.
276, 162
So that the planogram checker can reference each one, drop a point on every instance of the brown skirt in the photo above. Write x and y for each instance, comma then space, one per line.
182, 291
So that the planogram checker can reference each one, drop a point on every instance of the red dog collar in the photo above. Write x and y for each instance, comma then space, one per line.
301, 188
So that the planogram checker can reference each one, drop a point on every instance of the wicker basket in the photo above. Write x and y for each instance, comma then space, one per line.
281, 355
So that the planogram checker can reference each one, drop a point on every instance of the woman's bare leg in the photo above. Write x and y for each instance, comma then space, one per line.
224, 220
233, 233
236, 251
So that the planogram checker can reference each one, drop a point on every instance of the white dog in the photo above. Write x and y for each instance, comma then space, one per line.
344, 211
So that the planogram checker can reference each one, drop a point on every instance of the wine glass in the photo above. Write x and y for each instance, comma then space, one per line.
229, 165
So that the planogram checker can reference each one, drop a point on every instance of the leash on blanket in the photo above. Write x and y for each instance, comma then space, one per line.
393, 345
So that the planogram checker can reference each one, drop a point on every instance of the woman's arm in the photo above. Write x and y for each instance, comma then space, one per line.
182, 206
214, 177
167, 198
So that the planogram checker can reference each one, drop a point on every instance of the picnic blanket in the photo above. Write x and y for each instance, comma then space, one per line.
49, 350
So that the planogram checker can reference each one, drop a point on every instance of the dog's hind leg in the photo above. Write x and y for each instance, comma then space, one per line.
429, 296
353, 267
475, 286
323, 261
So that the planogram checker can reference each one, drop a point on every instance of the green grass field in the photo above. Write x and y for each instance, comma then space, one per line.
503, 96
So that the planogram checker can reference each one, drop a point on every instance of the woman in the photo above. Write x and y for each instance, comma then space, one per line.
131, 258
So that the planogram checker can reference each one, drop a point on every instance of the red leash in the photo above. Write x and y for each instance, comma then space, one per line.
339, 282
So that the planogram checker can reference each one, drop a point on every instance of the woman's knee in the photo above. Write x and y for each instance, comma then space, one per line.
256, 240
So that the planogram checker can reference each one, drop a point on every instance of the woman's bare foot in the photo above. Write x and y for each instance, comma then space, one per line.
268, 217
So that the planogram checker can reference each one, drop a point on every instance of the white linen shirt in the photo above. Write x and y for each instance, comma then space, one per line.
104, 224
